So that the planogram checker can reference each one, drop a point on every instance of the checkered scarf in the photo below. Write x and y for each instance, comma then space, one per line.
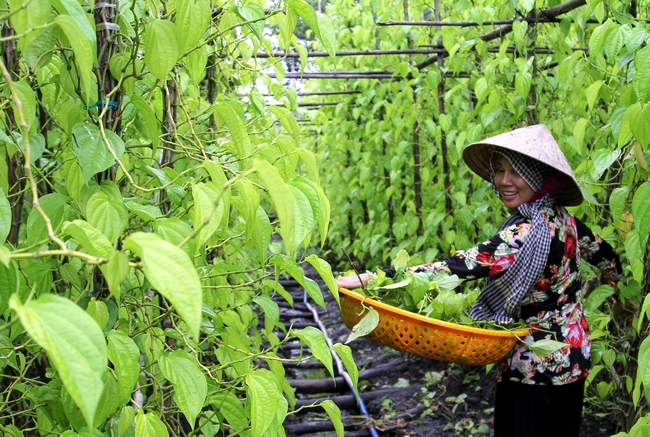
500, 299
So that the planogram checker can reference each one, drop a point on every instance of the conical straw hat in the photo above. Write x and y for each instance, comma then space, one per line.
533, 141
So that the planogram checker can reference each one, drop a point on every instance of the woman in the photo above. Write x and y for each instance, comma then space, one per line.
533, 272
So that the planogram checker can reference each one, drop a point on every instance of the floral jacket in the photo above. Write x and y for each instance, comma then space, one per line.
553, 308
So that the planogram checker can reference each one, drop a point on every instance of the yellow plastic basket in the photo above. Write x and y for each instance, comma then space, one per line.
409, 332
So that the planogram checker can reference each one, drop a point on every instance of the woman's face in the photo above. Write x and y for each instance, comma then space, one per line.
513, 188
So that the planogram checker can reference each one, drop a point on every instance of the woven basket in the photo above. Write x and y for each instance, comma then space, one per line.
409, 332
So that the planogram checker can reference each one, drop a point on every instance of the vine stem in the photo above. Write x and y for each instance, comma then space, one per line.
24, 129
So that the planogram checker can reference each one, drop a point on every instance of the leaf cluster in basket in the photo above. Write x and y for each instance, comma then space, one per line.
418, 293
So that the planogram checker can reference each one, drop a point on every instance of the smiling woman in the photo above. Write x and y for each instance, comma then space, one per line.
533, 273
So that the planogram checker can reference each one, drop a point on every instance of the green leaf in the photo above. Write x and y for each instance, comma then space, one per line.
602, 160
175, 231
633, 246
271, 311
115, 270
230, 406
266, 402
190, 385
282, 199
596, 298
92, 151
345, 354
592, 93
254, 15
5, 257
5, 217
642, 74
124, 355
192, 20
208, 211
127, 416
149, 425
641, 210
365, 326
544, 348
146, 112
617, 201
172, 273
324, 269
334, 413
523, 82
598, 38
225, 114
27, 16
82, 48
53, 205
316, 341
95, 243
74, 344
9, 283
327, 34
640, 124
305, 209
287, 120
74, 10
108, 215
27, 99
161, 49
108, 405
98, 311
289, 265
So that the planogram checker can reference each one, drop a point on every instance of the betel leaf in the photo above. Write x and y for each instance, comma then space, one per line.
597, 297
544, 347
108, 215
227, 116
190, 385
74, 344
208, 211
334, 413
254, 15
617, 201
115, 270
327, 33
324, 269
126, 418
124, 355
344, 352
366, 325
82, 49
161, 48
9, 282
230, 406
149, 425
53, 205
641, 210
176, 231
287, 120
91, 149
282, 199
639, 121
93, 241
5, 217
172, 273
305, 210
147, 114
271, 311
266, 402
27, 97
316, 341
642, 73
634, 249
27, 16
602, 160
192, 19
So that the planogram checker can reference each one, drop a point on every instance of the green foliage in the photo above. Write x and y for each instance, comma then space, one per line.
144, 188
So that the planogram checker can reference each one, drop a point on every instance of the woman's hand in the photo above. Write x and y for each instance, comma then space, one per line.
353, 281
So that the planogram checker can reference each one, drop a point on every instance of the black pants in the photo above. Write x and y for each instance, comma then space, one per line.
522, 410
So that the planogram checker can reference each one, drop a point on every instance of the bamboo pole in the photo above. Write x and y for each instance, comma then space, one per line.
497, 33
